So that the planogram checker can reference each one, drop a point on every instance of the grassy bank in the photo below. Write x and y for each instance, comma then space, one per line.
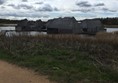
65, 58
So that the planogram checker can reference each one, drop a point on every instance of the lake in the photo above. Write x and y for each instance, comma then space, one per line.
7, 28
111, 29
13, 32
2, 29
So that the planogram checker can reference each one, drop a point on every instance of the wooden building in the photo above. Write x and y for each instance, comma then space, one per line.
26, 25
64, 25
69, 25
91, 26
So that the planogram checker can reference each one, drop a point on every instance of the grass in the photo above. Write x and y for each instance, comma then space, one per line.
65, 58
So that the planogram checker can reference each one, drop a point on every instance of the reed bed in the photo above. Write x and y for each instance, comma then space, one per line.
65, 58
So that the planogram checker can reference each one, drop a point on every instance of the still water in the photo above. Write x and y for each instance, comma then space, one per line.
7, 28
13, 32
111, 29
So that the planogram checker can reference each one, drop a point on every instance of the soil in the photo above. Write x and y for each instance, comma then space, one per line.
10, 73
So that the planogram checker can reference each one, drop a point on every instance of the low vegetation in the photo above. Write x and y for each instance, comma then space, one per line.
65, 58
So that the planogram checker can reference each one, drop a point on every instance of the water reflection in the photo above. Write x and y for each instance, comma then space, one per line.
32, 33
111, 29
6, 28
9, 31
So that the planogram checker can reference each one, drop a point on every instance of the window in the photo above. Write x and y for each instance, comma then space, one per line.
85, 29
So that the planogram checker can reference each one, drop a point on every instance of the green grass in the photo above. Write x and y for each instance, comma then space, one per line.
64, 58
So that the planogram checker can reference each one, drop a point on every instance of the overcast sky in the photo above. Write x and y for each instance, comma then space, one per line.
48, 9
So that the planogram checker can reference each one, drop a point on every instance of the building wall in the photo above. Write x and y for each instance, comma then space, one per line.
70, 25
65, 31
65, 25
25, 25
77, 29
18, 28
91, 26
52, 31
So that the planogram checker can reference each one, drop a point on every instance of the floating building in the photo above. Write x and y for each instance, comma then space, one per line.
69, 25
26, 25
66, 25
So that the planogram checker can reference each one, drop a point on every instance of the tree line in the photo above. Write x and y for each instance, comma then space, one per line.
8, 21
105, 21
109, 21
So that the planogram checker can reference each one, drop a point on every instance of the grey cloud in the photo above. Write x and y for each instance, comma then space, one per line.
2, 7
113, 10
100, 4
21, 6
56, 9
105, 9
24, 6
108, 10
2, 1
24, 0
39, 3
83, 4
12, 5
21, 14
47, 8
84, 10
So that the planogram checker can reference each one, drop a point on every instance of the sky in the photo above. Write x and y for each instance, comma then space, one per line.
49, 9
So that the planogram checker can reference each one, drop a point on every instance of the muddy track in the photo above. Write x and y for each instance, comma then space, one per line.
13, 74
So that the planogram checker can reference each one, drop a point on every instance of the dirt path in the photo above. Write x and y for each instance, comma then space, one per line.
13, 74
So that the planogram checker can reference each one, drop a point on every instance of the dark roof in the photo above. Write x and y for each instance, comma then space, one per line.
64, 23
